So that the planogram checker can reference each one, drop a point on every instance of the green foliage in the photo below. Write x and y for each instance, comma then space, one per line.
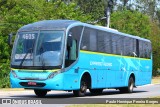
4, 50
155, 38
28, 11
131, 22
93, 7
4, 74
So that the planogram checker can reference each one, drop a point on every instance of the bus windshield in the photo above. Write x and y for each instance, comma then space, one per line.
41, 49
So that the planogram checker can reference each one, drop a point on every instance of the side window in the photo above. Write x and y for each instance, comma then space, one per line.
128, 46
147, 50
119, 45
141, 52
89, 40
100, 41
104, 42
72, 45
93, 40
132, 49
114, 43
85, 43
107, 43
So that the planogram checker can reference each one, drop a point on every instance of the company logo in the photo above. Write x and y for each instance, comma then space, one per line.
100, 63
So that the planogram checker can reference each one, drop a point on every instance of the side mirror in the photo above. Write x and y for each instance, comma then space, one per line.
69, 41
10, 37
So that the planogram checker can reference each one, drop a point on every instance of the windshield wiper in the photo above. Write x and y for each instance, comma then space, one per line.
28, 50
25, 56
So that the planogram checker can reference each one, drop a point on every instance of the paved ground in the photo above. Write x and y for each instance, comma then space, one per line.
139, 92
58, 96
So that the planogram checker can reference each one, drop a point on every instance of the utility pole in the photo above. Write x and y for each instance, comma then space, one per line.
108, 12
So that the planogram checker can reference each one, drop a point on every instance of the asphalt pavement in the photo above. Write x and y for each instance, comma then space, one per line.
58, 97
151, 90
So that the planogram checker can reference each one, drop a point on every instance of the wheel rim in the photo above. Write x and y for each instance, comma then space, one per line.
131, 85
83, 87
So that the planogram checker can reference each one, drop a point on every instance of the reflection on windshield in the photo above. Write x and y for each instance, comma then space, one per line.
48, 48
38, 49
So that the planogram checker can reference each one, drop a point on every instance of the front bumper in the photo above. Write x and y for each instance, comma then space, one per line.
61, 81
49, 84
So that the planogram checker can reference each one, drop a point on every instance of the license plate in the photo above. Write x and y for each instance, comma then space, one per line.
32, 83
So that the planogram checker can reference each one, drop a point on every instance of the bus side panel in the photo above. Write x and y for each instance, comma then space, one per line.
100, 68
144, 73
109, 71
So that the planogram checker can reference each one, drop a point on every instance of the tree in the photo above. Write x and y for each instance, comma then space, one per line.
148, 7
132, 22
155, 38
93, 7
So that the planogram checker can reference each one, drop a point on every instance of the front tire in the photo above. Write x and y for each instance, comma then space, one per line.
83, 88
40, 93
130, 87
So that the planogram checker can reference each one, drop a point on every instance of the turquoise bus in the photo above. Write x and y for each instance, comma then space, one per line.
73, 56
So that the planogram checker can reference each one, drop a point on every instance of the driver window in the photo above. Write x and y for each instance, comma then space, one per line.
72, 49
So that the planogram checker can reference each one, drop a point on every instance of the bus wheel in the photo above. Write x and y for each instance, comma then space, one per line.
40, 93
96, 91
128, 89
83, 88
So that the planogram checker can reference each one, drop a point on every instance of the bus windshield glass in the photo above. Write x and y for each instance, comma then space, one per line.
39, 49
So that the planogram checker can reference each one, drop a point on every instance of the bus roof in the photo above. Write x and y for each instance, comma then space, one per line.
48, 25
64, 24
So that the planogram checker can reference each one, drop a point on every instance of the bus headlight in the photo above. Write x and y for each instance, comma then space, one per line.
14, 74
51, 75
